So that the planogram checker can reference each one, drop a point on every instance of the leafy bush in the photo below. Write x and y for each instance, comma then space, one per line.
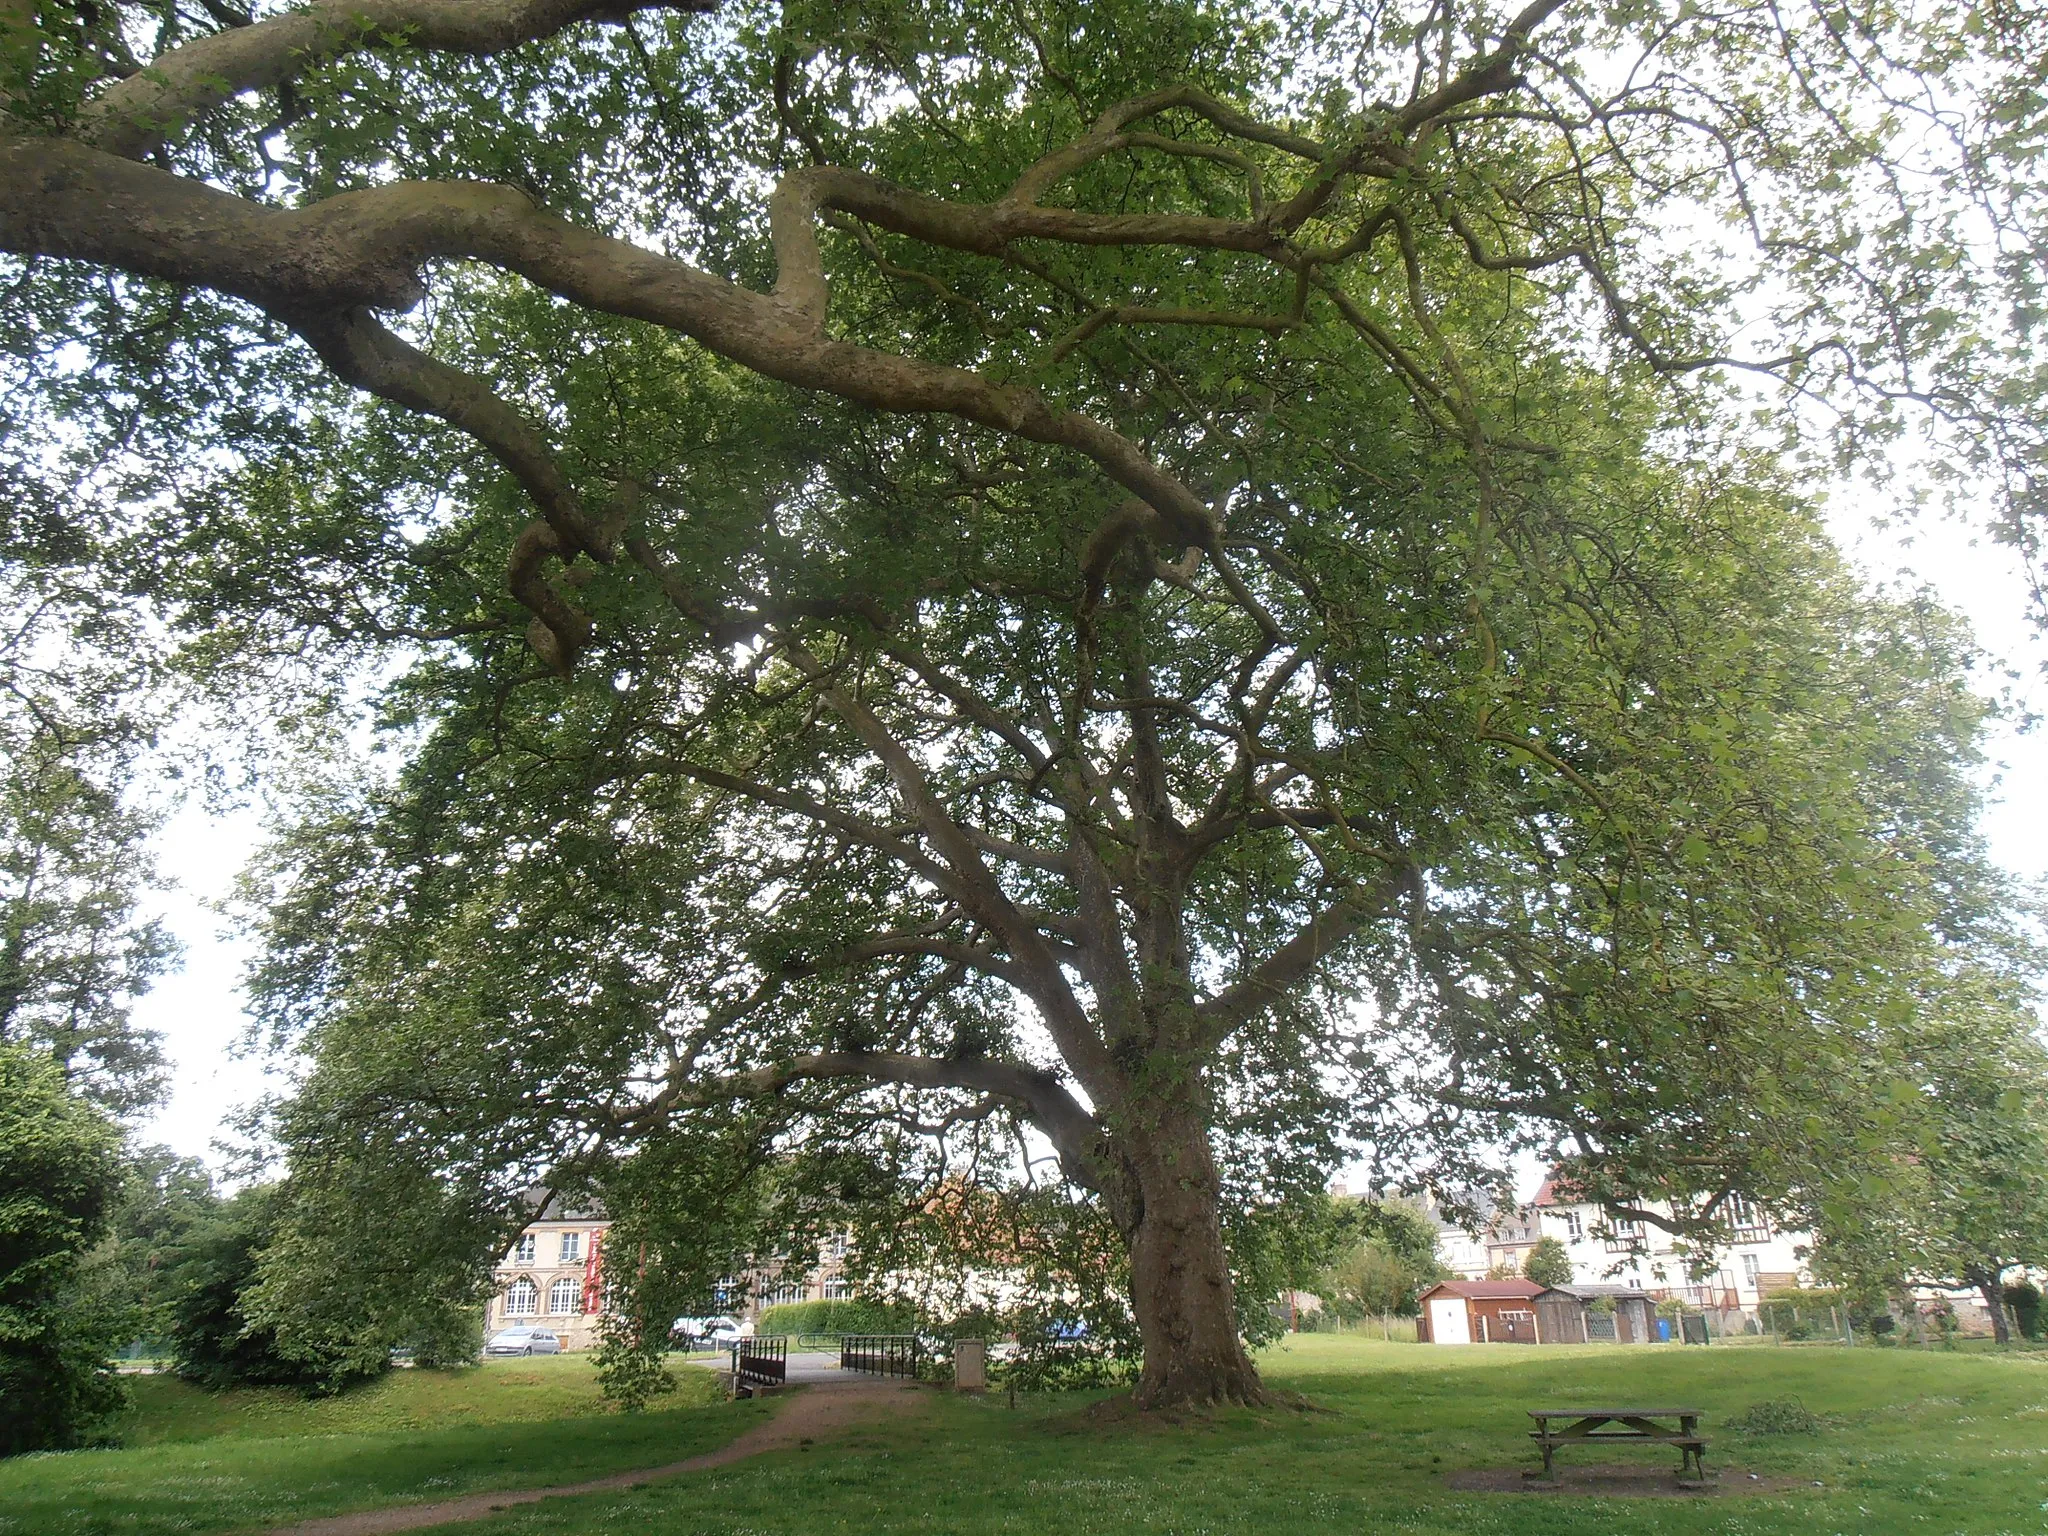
1548, 1263
1370, 1279
1777, 1416
212, 1342
60, 1173
837, 1317
2025, 1301
1055, 1354
1804, 1314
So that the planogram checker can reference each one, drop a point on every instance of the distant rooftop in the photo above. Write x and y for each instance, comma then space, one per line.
1488, 1290
556, 1209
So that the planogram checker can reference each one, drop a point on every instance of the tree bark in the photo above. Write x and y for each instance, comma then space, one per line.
1992, 1287
1180, 1272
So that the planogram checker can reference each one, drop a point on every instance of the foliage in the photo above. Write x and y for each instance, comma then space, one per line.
690, 1209
249, 1302
212, 1340
59, 1175
1052, 1259
1548, 1263
1964, 1195
1377, 1255
1803, 1313
1398, 1226
2024, 1297
1777, 1416
75, 717
165, 1201
1158, 658
825, 1317
73, 954
1371, 1279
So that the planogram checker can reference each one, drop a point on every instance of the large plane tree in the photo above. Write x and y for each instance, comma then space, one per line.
1201, 580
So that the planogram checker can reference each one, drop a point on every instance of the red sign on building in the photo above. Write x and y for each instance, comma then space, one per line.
593, 1275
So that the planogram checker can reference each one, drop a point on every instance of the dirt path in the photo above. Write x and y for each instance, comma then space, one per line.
812, 1413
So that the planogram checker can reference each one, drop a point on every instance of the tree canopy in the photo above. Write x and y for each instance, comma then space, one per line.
60, 1174
1135, 597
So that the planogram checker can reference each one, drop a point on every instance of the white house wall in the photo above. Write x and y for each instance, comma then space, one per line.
1659, 1266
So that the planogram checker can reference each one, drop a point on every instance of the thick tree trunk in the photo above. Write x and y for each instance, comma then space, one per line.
1180, 1275
1993, 1289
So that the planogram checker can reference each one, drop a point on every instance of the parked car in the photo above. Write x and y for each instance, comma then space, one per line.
709, 1332
523, 1341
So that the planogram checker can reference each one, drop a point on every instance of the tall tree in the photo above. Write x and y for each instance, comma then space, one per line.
1181, 580
74, 954
77, 713
1957, 1196
60, 1174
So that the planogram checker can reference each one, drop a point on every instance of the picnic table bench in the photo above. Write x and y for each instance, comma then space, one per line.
1643, 1426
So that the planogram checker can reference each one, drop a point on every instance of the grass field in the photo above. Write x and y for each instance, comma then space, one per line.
200, 1463
1912, 1442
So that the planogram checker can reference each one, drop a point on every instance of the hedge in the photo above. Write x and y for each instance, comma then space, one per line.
825, 1317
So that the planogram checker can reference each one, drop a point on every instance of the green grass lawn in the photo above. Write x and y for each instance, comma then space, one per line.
196, 1462
1913, 1442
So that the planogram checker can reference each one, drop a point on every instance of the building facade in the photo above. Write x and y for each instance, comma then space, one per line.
1605, 1253
553, 1276
1758, 1260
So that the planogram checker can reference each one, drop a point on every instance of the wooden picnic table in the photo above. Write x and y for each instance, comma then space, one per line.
1643, 1426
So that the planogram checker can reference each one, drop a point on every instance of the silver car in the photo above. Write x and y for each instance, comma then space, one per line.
523, 1341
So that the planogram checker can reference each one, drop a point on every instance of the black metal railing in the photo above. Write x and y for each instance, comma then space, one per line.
881, 1354
760, 1362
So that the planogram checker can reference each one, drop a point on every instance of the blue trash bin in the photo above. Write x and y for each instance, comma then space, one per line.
1663, 1330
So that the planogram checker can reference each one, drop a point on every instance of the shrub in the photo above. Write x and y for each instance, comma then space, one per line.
60, 1322
1778, 1416
837, 1317
1056, 1354
212, 1343
2025, 1302
1548, 1263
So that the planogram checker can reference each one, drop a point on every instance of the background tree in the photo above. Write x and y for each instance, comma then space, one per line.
1300, 662
1548, 1263
60, 1173
74, 954
1958, 1197
1385, 1255
165, 1201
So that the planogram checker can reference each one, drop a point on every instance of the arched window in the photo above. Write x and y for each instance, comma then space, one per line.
565, 1296
522, 1298
838, 1288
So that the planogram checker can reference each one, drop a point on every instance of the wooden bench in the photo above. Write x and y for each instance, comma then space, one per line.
1639, 1426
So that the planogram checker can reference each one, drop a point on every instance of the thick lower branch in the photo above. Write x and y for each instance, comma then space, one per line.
147, 109
1044, 1100
366, 249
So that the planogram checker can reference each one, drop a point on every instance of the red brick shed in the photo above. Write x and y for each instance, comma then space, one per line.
1479, 1312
